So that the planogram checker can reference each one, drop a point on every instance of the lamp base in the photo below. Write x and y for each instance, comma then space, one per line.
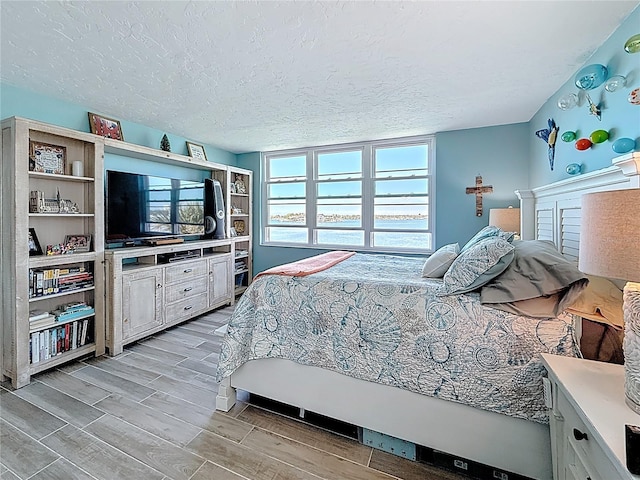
631, 345
633, 406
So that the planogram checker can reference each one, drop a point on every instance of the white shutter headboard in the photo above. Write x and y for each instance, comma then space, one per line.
552, 212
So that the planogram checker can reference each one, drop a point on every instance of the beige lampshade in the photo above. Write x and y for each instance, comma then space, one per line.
508, 219
610, 234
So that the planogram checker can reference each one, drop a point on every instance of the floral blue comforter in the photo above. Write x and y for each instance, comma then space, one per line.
375, 318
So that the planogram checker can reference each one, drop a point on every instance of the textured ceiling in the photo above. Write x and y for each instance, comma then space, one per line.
256, 76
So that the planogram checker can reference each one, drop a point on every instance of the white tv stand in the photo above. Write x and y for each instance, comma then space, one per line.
149, 290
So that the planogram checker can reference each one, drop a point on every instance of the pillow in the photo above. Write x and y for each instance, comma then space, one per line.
538, 270
601, 301
476, 266
486, 232
508, 236
440, 261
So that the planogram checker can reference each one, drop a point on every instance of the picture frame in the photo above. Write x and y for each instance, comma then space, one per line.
232, 232
77, 243
196, 151
34, 244
105, 126
47, 158
232, 188
239, 227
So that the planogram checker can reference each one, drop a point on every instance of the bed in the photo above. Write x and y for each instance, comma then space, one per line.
480, 398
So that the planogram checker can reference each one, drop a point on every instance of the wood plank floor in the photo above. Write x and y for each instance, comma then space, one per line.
150, 414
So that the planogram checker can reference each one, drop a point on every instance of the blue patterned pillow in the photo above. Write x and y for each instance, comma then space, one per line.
477, 265
486, 232
508, 236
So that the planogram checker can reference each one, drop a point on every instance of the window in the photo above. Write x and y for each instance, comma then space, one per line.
370, 196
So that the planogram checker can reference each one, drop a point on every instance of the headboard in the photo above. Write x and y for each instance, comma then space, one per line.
552, 212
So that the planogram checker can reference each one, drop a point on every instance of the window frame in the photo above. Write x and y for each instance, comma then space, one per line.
175, 204
368, 180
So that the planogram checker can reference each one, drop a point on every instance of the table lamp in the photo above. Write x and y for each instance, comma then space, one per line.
610, 247
508, 219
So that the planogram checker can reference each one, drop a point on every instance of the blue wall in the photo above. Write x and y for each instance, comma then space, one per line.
499, 155
22, 103
619, 117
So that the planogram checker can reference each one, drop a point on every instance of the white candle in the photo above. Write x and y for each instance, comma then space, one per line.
77, 169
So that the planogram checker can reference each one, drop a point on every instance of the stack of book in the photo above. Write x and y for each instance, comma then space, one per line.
48, 281
40, 319
72, 311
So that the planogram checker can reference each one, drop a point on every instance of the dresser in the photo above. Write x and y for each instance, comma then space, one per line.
587, 418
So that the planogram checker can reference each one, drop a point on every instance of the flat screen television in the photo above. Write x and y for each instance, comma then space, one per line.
144, 207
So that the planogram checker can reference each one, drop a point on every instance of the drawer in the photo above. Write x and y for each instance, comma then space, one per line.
180, 291
574, 468
591, 456
185, 308
184, 271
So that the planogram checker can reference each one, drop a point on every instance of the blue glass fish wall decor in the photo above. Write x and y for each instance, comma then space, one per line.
550, 135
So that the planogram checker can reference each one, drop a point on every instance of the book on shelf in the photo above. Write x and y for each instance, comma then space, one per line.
71, 306
74, 335
37, 314
49, 320
35, 348
58, 340
48, 281
85, 327
62, 316
47, 344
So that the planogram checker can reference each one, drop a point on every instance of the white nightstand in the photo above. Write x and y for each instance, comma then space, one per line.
587, 419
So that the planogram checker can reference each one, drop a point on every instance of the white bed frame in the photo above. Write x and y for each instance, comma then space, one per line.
509, 444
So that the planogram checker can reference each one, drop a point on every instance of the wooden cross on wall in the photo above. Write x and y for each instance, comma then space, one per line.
478, 190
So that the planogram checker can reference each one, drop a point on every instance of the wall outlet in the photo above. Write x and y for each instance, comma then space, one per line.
461, 465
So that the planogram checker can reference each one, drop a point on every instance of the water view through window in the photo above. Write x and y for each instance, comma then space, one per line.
369, 196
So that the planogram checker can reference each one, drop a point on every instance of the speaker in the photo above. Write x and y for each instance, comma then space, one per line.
213, 209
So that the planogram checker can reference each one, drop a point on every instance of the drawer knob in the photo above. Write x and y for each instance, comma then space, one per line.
189, 307
578, 435
188, 270
188, 289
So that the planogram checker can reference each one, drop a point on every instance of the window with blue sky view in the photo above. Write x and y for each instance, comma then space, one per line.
368, 196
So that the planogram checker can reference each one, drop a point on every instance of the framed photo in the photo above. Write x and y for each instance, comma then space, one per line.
47, 158
105, 127
34, 244
232, 232
196, 151
238, 225
232, 188
77, 243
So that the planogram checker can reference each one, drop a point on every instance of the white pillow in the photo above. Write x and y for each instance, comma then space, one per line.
440, 261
